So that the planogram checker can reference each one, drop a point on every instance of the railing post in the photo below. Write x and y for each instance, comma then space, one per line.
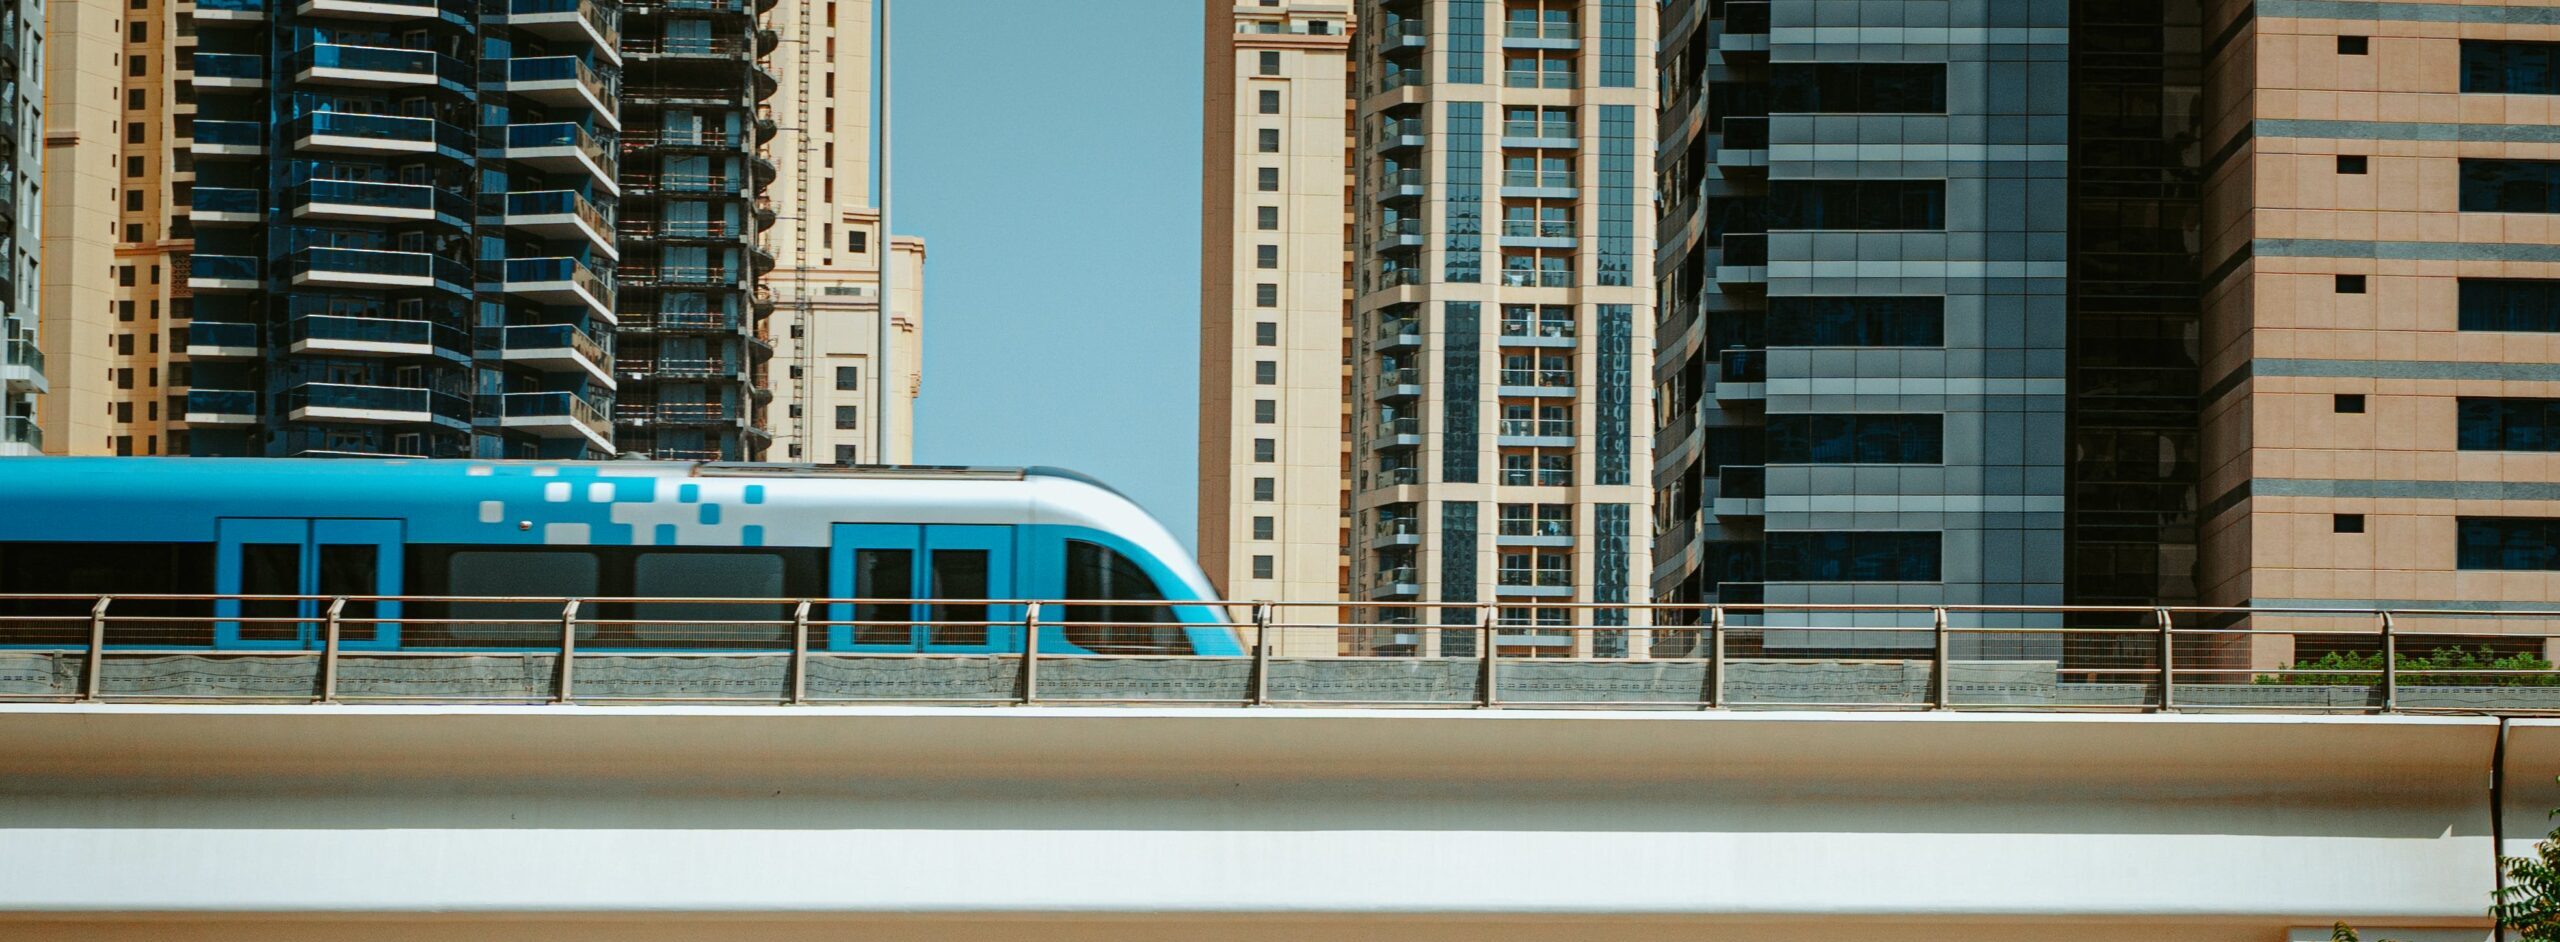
1485, 637
2168, 660
1261, 653
800, 653
329, 651
1030, 653
1715, 657
568, 649
93, 680
2390, 666
1941, 678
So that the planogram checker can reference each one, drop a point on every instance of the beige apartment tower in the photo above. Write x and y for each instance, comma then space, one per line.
1274, 340
113, 287
827, 247
2382, 319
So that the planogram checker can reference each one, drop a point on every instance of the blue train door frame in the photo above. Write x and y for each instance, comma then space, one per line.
305, 556
907, 561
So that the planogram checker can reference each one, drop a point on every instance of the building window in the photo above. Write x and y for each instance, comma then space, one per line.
1854, 556
1857, 322
1262, 567
848, 417
1266, 373
2485, 424
2351, 163
1265, 488
2348, 403
1267, 140
2350, 284
2492, 67
1266, 217
2509, 543
1267, 179
1466, 42
1855, 438
1266, 334
848, 377
1266, 450
1270, 101
1266, 256
1262, 528
1857, 88
1270, 63
2346, 523
2516, 304
848, 454
2510, 186
1859, 204
857, 241
1266, 411
1266, 295
2353, 45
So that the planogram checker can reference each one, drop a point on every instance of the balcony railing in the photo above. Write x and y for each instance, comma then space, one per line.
1543, 526
228, 201
544, 405
216, 335
1534, 180
681, 275
1399, 425
1398, 277
230, 134
1399, 179
558, 134
421, 64
331, 330
1395, 228
1399, 78
1541, 130
1396, 328
1538, 428
1743, 366
365, 194
701, 321
392, 403
560, 269
1537, 327
23, 353
1547, 28
1561, 379
1397, 526
556, 337
1538, 228
560, 203
231, 9
1537, 78
1541, 578
681, 367
1395, 130
1543, 278
371, 263
204, 268
22, 430
715, 183
604, 18
1403, 31
1390, 379
566, 69
379, 129
226, 68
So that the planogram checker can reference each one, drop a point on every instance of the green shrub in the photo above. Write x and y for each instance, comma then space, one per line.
2441, 659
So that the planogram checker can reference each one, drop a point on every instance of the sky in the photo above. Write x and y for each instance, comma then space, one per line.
1050, 157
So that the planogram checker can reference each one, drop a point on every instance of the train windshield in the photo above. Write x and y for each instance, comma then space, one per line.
1097, 574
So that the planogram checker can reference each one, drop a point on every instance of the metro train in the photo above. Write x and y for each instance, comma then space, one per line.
604, 531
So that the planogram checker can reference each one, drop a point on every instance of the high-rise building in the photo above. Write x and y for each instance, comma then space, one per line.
403, 215
22, 357
695, 349
1867, 279
1505, 297
1275, 342
828, 248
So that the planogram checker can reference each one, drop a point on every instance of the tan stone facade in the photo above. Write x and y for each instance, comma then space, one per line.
827, 248
1274, 341
2349, 271
113, 292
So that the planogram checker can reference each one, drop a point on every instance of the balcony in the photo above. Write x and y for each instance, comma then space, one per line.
1742, 491
678, 368
597, 24
214, 340
372, 9
1396, 276
1538, 278
1395, 582
1742, 374
1403, 382
1399, 475
223, 273
338, 132
1546, 531
1396, 234
679, 322
1396, 531
226, 206
1541, 583
1400, 134
22, 368
562, 214
560, 281
1401, 184
672, 413
230, 138
376, 67
1559, 78
230, 70
1398, 33
231, 11
377, 337
365, 201
1537, 332
679, 276
1536, 234
375, 405
1537, 383
556, 347
1532, 184
1396, 77
1403, 431
1532, 32
375, 269
565, 81
556, 415
20, 436
1536, 433
1550, 133
562, 147
222, 407
1395, 333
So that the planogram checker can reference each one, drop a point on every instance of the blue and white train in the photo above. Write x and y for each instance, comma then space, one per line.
604, 531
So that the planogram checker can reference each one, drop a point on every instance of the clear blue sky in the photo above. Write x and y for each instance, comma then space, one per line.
1049, 154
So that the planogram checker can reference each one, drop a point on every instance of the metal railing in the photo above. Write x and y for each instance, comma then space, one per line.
66, 647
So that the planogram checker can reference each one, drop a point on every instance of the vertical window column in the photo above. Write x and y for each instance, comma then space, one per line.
1614, 425
1463, 206
1459, 365
1457, 575
1466, 42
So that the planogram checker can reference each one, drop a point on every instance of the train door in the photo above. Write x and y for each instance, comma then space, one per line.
293, 556
904, 561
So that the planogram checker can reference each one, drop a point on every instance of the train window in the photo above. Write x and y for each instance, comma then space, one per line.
270, 569
1096, 574
519, 574
883, 574
351, 569
107, 569
959, 574
709, 576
